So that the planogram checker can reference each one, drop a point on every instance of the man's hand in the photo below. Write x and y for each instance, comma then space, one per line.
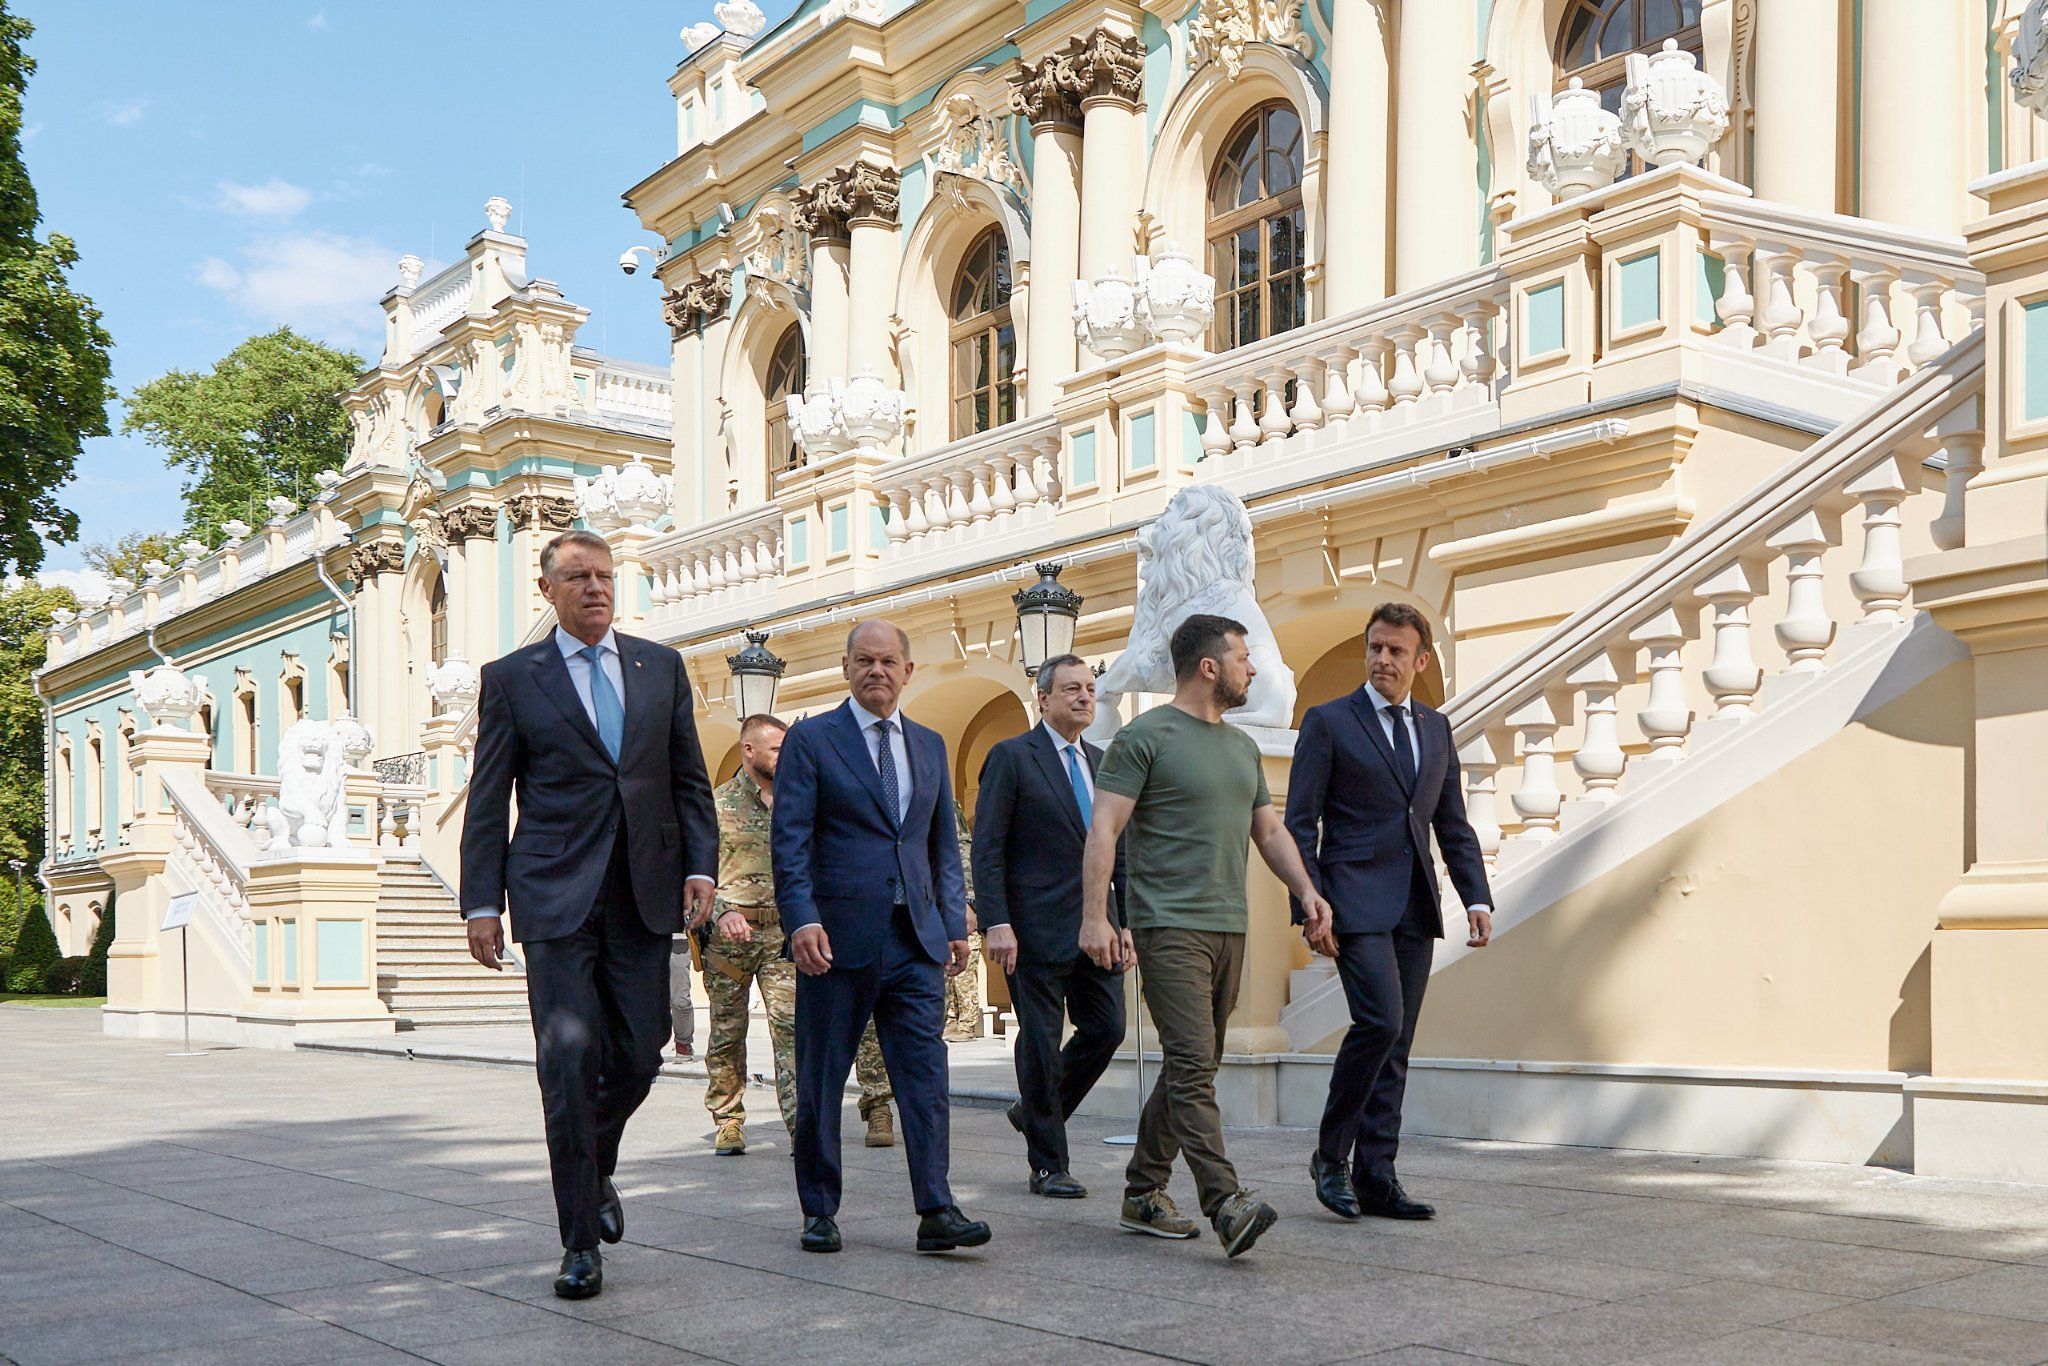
811, 950
487, 940
1127, 951
1099, 942
972, 923
961, 950
734, 926
1479, 923
698, 894
999, 944
1318, 929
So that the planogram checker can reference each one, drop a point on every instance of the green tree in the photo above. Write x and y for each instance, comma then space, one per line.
263, 421
53, 351
34, 951
125, 557
24, 623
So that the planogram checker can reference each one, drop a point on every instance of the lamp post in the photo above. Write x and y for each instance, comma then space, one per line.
756, 673
1046, 614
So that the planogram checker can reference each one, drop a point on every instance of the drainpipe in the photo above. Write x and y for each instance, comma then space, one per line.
348, 688
35, 682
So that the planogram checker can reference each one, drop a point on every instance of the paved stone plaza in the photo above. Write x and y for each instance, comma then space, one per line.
248, 1206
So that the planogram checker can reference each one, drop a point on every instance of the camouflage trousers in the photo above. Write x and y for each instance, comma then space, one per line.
963, 996
758, 962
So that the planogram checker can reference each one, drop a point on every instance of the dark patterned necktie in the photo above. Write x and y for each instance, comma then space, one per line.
885, 764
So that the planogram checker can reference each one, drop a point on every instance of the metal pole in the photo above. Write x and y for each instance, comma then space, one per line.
1138, 1016
185, 980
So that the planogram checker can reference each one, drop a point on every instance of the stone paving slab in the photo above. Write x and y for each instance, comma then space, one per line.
249, 1206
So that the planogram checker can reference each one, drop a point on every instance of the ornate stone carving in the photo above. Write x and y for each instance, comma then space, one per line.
366, 562
973, 144
872, 411
355, 739
166, 695
697, 303
310, 810
1574, 144
1101, 66
697, 36
453, 684
849, 194
1038, 94
1106, 316
470, 522
868, 11
740, 18
1197, 557
1179, 300
1225, 28
235, 530
191, 552
409, 268
2029, 74
541, 511
497, 212
279, 507
1672, 111
781, 258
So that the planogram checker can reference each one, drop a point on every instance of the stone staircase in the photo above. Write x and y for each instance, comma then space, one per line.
424, 971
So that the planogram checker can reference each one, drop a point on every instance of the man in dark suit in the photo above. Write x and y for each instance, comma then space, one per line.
1031, 825
1373, 774
593, 730
869, 886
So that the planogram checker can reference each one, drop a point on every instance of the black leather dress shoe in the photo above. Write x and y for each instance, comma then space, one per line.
1389, 1201
1015, 1114
821, 1235
1333, 1186
611, 1214
582, 1275
946, 1229
1058, 1185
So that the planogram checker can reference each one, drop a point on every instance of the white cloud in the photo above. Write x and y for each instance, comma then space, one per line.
322, 283
318, 23
274, 198
29, 133
88, 584
125, 114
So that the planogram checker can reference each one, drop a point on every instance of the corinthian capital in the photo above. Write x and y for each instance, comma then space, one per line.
1036, 92
1101, 67
697, 302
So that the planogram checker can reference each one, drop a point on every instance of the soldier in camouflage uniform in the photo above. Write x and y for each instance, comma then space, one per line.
745, 950
963, 991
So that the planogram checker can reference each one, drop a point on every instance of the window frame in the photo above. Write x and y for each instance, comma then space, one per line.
987, 328
1221, 230
775, 426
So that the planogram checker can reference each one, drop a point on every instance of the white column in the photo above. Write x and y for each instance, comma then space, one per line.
1914, 119
829, 307
871, 296
1436, 193
1055, 261
1113, 172
1799, 98
1356, 182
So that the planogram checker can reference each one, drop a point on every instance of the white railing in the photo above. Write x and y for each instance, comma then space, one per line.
299, 534
1404, 361
401, 816
983, 485
643, 395
1741, 610
393, 819
212, 853
1837, 295
736, 557
441, 301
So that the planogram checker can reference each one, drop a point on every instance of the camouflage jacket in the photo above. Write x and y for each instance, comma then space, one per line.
746, 881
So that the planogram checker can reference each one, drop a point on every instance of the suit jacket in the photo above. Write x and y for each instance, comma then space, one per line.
1363, 828
534, 737
841, 859
1028, 840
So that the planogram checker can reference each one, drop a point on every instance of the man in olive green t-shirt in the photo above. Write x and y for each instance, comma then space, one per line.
1189, 788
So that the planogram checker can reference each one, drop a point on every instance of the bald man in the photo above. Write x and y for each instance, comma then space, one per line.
869, 885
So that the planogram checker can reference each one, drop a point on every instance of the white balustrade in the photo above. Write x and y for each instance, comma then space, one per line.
1599, 761
987, 484
1733, 677
643, 395
440, 301
736, 556
1538, 800
1476, 759
400, 815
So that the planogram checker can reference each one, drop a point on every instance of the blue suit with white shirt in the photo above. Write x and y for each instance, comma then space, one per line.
864, 844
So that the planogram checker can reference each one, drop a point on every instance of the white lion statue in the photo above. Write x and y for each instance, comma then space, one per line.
1197, 557
311, 808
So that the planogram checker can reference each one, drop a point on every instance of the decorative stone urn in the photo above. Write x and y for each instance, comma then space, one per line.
453, 684
497, 212
328, 481
409, 268
1179, 301
1672, 111
279, 507
154, 571
697, 35
1574, 145
235, 531
167, 695
192, 551
639, 494
597, 501
740, 18
819, 426
1106, 317
871, 411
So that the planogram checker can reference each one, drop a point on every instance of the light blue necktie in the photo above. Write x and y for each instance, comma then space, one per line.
611, 717
1080, 786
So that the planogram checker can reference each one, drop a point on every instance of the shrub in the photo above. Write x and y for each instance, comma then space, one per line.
65, 976
34, 951
94, 982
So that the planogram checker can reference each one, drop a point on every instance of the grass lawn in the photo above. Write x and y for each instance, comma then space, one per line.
55, 1002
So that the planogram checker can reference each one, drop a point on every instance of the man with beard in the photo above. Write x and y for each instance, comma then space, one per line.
1190, 788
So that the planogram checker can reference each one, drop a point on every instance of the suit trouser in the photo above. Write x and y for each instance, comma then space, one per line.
1190, 983
682, 1007
1053, 1081
1384, 977
904, 991
599, 1000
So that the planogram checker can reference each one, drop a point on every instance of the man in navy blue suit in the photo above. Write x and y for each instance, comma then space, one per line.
1373, 774
616, 851
869, 886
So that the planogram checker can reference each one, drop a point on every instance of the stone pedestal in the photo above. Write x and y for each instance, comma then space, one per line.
314, 956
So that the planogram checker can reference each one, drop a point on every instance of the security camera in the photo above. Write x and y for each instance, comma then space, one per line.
627, 263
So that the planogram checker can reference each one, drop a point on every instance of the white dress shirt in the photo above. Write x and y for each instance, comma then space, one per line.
1407, 713
1060, 746
899, 752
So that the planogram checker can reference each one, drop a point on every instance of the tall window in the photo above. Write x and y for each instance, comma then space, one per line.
1258, 249
1595, 37
787, 374
984, 342
437, 621
95, 786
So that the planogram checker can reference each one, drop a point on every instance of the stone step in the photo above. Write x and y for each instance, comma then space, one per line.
462, 1015
511, 1009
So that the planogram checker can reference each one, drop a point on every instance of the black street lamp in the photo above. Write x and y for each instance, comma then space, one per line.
756, 674
1046, 614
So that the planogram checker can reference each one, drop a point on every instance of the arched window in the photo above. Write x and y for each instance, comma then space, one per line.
984, 342
95, 786
1258, 248
788, 372
437, 621
1595, 37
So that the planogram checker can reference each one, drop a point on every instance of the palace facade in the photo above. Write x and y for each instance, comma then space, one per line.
1684, 361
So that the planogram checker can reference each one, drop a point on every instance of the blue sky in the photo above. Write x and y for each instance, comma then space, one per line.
228, 167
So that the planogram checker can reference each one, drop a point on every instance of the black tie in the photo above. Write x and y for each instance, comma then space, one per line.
1404, 753
885, 763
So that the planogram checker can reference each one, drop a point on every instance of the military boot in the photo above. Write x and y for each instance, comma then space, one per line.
881, 1128
731, 1140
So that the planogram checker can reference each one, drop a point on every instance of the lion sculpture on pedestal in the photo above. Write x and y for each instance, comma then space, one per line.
311, 809
1197, 557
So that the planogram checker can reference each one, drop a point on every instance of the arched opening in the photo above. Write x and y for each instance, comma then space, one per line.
67, 818
124, 778
788, 372
95, 786
1257, 228
244, 746
1594, 38
435, 409
437, 620
983, 339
